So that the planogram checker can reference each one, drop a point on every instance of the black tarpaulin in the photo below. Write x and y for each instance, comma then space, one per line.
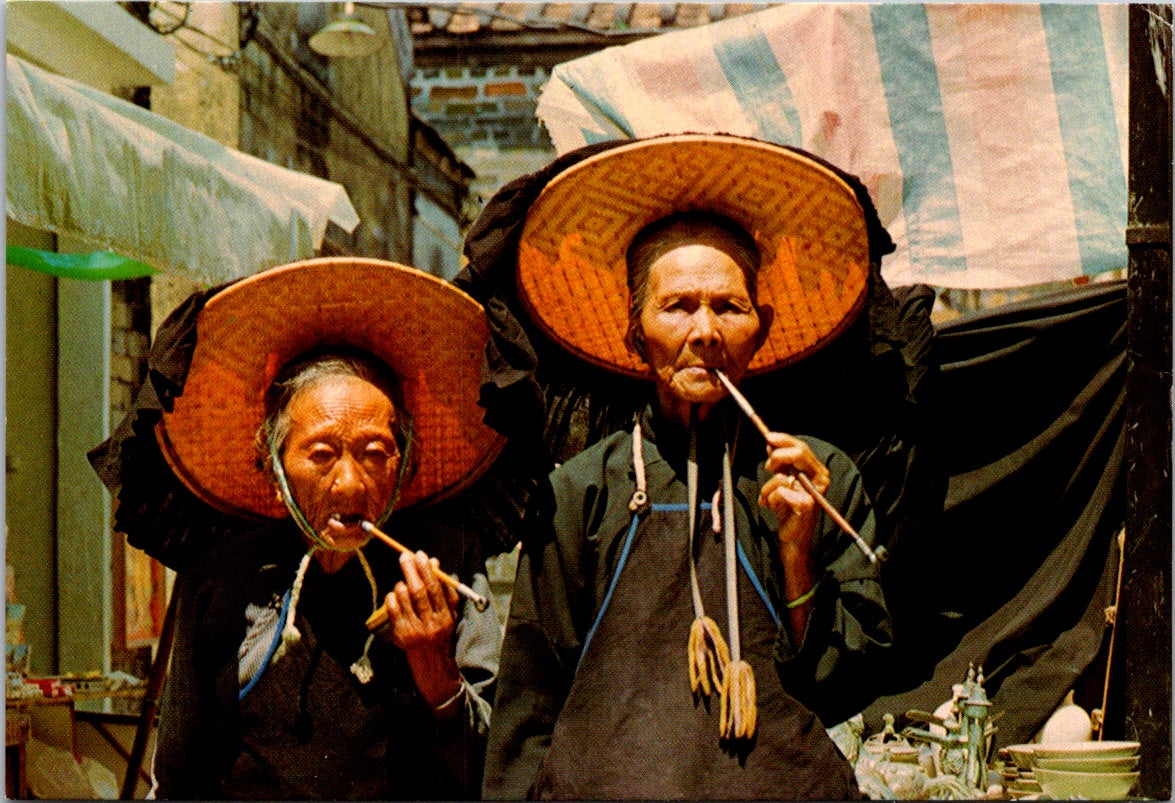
1018, 573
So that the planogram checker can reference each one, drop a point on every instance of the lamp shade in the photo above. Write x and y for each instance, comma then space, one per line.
346, 37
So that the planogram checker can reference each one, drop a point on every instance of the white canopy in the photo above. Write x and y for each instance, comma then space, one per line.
86, 164
992, 137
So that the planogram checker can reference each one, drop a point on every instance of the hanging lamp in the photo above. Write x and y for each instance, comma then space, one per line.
346, 37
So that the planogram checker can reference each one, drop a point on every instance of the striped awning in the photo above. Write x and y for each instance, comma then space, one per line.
83, 163
992, 137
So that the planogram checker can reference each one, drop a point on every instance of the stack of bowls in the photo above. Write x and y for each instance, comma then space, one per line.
1017, 773
1091, 770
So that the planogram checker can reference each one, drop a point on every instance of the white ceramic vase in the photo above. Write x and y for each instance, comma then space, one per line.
1069, 723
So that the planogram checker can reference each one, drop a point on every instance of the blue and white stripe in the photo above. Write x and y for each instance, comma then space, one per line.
992, 137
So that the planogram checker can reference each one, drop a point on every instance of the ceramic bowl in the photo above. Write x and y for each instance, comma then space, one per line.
1024, 786
1093, 763
1085, 749
1021, 755
1089, 785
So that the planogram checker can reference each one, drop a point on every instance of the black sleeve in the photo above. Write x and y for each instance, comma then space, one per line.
196, 741
542, 644
849, 631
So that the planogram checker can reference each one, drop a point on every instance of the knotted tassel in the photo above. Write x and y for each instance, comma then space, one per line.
707, 652
708, 656
291, 635
362, 668
738, 713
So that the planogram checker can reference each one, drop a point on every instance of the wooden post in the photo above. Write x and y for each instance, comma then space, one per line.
150, 701
1144, 617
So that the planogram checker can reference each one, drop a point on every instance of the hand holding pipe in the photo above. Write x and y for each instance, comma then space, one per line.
832, 512
480, 602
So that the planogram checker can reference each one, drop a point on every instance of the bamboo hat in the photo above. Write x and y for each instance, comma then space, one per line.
807, 222
427, 331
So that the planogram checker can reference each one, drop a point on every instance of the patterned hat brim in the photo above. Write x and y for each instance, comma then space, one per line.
431, 335
807, 222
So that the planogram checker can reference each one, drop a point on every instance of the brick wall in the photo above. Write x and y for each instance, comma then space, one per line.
482, 106
130, 332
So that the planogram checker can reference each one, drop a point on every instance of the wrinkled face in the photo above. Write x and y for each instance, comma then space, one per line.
697, 315
340, 456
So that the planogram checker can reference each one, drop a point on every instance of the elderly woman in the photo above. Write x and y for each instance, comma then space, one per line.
691, 605
321, 398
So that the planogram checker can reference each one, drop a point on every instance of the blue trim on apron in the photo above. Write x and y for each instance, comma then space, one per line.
277, 637
611, 586
742, 558
677, 507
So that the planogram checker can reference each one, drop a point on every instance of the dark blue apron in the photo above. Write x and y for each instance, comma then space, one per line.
631, 728
306, 735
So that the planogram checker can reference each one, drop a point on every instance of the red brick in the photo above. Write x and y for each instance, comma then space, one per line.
505, 88
453, 93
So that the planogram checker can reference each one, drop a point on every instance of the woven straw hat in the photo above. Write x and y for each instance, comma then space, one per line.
430, 333
807, 222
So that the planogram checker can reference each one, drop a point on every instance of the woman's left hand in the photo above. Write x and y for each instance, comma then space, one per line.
798, 513
786, 497
422, 614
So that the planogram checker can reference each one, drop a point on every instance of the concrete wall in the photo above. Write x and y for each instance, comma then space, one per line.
204, 95
436, 245
56, 375
85, 624
31, 457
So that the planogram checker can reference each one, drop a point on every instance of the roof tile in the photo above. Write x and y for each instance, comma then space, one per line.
464, 21
560, 12
515, 10
645, 16
472, 18
692, 14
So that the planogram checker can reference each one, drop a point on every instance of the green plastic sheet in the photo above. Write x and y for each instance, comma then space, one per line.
98, 266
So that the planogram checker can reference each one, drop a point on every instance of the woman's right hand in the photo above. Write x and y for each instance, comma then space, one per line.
422, 620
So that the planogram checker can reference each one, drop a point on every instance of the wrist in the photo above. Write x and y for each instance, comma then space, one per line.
792, 554
799, 573
799, 567
451, 701
802, 599
437, 677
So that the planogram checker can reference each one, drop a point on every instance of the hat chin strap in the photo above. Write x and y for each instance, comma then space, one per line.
299, 517
362, 668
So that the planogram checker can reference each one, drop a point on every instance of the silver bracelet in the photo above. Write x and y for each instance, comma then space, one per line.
451, 700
